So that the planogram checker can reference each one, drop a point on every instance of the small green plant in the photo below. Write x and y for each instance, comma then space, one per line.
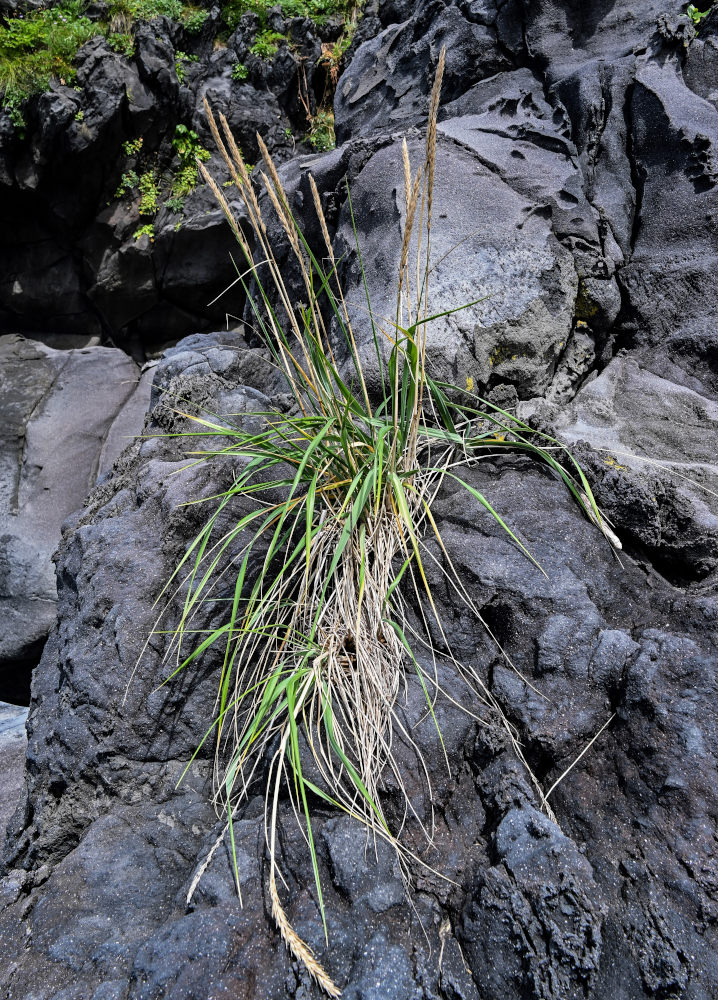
184, 181
128, 182
122, 42
239, 71
696, 15
175, 205
149, 193
187, 145
334, 52
132, 147
266, 44
321, 131
335, 500
79, 115
147, 230
13, 103
180, 59
192, 19
189, 150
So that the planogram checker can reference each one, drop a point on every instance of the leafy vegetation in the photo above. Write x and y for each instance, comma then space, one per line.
239, 71
181, 58
192, 19
189, 149
266, 44
175, 204
128, 182
187, 145
696, 15
318, 10
37, 46
149, 192
131, 147
321, 131
335, 502
151, 182
122, 42
123, 13
40, 45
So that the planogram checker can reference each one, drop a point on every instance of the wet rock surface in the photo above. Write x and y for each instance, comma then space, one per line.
576, 162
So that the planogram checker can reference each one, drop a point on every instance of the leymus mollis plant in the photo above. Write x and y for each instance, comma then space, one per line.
317, 641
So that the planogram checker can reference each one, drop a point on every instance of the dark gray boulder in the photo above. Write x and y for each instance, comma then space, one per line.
489, 245
540, 880
659, 479
67, 415
381, 90
670, 277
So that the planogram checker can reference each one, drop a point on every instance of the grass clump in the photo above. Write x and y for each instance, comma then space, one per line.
317, 638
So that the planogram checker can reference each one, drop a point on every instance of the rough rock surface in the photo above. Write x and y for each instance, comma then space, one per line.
658, 481
66, 416
617, 902
13, 745
589, 128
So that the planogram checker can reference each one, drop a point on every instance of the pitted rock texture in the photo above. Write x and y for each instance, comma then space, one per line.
659, 481
577, 163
